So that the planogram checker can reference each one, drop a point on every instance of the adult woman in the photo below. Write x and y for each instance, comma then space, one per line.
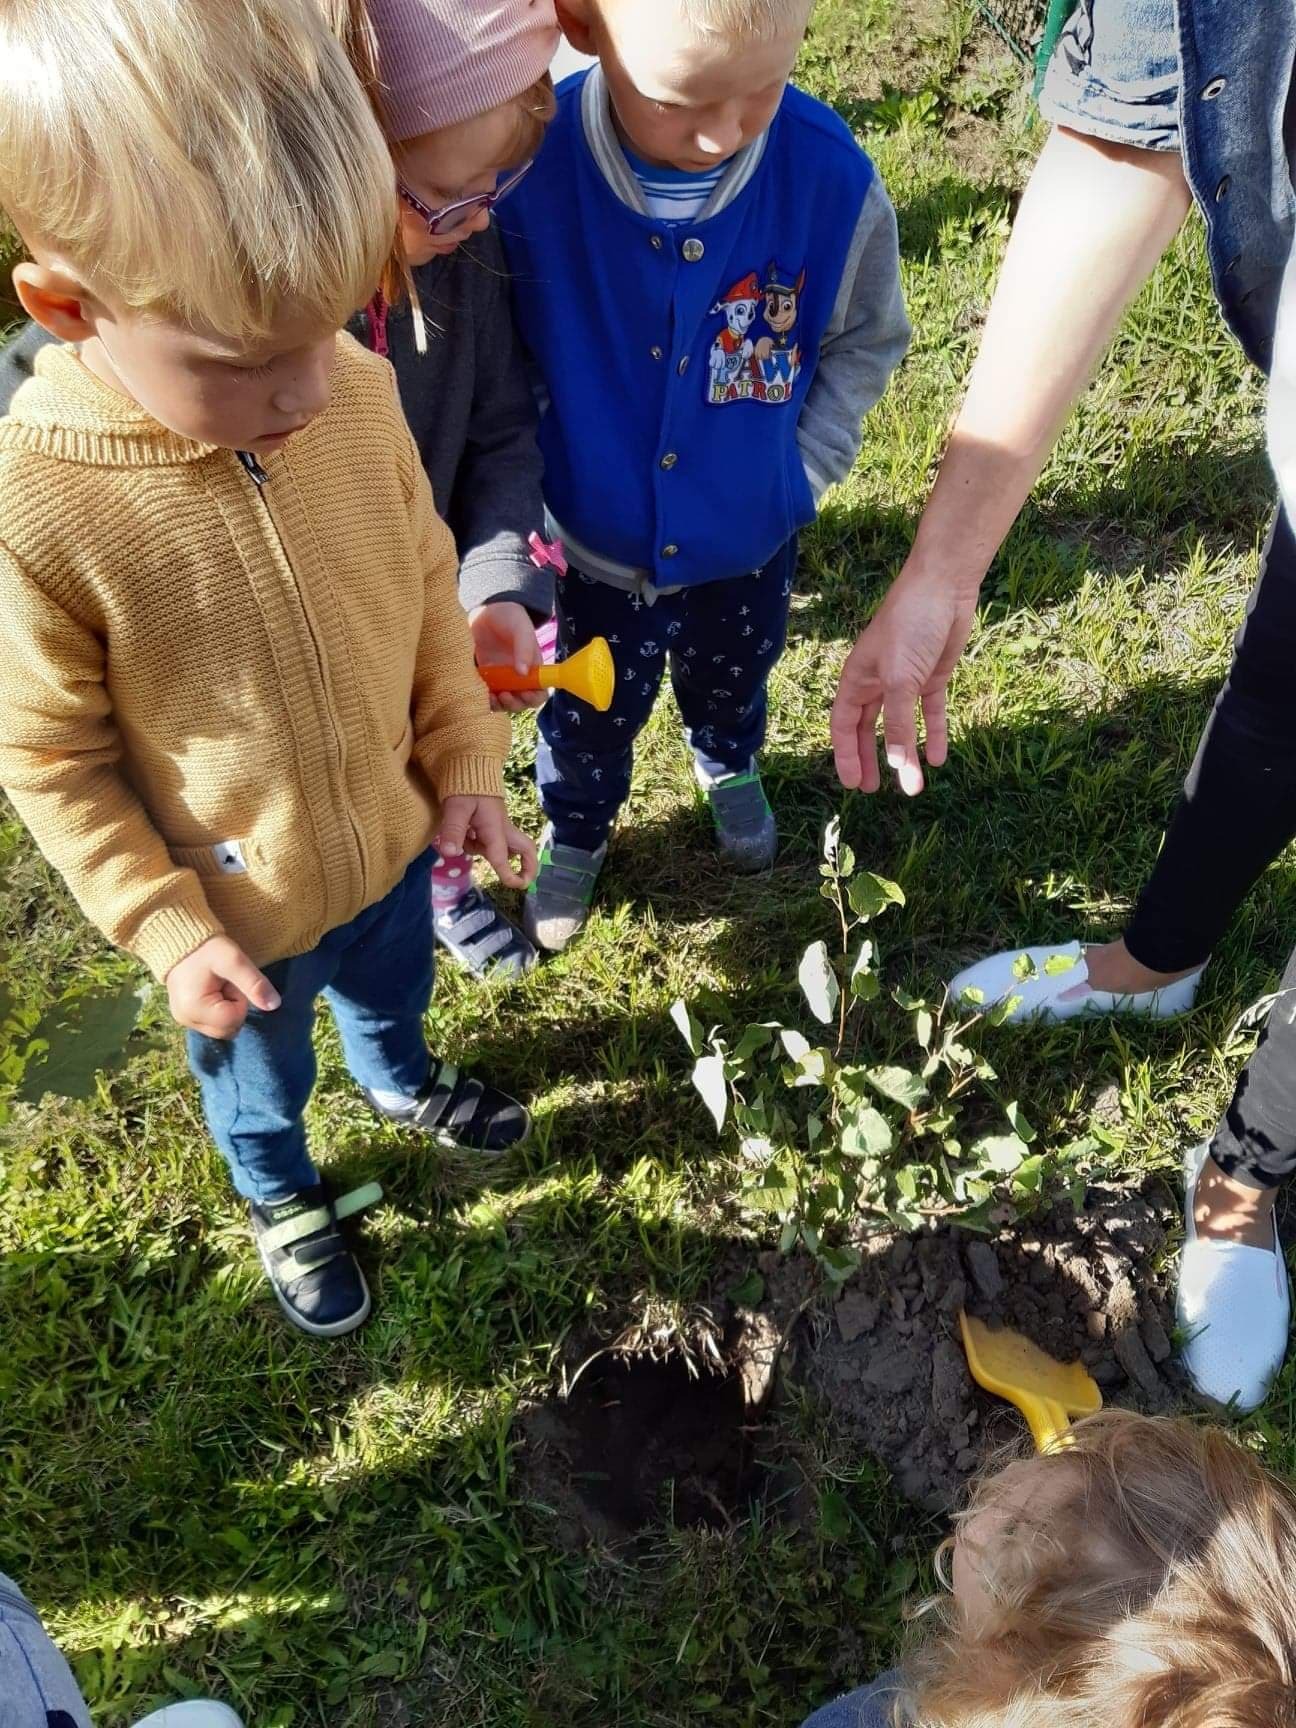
1157, 104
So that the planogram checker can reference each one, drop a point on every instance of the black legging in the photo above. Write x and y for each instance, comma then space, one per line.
1256, 1140
1238, 808
1237, 813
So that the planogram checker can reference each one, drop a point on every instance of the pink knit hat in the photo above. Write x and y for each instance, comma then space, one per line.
442, 61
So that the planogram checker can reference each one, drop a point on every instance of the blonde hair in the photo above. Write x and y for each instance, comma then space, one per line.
1157, 1590
739, 20
213, 162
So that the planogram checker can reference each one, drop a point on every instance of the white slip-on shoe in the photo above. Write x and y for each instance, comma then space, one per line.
1233, 1307
1056, 987
197, 1713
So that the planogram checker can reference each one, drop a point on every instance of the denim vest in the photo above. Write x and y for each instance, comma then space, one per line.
1237, 58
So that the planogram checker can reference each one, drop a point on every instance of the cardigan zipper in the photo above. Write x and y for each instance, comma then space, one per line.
261, 480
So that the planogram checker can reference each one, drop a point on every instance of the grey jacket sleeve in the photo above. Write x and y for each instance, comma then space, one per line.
498, 500
17, 359
866, 340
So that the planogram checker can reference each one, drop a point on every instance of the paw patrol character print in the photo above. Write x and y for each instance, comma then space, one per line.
752, 362
776, 353
731, 351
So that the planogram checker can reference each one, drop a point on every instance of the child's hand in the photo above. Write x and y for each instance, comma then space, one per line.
480, 827
503, 635
211, 990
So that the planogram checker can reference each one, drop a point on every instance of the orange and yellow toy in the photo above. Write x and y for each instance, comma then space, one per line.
590, 676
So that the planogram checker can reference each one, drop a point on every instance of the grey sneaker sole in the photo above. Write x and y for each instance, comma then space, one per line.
557, 904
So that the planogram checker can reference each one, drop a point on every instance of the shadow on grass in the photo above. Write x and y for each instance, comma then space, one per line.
1162, 505
950, 205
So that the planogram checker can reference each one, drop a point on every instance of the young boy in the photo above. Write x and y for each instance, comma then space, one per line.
237, 693
706, 272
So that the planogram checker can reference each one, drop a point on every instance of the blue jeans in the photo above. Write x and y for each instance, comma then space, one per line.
1115, 73
722, 640
376, 974
870, 1707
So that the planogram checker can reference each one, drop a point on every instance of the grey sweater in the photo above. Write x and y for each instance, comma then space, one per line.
470, 408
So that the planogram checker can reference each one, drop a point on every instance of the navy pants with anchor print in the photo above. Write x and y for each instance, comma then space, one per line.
721, 640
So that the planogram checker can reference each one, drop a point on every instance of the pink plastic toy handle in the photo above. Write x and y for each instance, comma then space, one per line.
548, 552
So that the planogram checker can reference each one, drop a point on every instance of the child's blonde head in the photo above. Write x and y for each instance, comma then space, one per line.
733, 21
217, 164
1143, 1578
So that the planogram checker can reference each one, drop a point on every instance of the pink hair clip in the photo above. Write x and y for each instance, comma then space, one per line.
547, 552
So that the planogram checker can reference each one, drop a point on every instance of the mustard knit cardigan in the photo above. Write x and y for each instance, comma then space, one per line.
227, 707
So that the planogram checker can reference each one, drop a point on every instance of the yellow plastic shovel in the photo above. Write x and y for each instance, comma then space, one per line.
1049, 1394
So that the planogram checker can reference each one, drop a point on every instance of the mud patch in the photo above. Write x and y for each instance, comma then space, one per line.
642, 1441
1084, 1284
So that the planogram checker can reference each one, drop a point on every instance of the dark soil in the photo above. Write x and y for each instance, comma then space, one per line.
1085, 1285
640, 1440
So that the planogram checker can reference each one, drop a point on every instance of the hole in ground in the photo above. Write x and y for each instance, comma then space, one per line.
641, 1441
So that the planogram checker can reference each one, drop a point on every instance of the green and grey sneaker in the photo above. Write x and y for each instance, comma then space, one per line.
316, 1279
456, 1110
746, 832
558, 901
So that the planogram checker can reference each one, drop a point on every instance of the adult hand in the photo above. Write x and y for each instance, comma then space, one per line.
903, 659
481, 828
503, 635
211, 990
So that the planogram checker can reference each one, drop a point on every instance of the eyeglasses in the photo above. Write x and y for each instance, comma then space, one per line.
452, 216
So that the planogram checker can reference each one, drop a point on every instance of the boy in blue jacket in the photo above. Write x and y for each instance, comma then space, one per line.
706, 272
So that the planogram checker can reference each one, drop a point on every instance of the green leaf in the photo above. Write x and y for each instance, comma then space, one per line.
1028, 1177
83, 1036
1001, 1152
839, 1263
1019, 1123
795, 1043
1059, 963
815, 1068
835, 1521
900, 1085
1024, 968
923, 1026
755, 1038
868, 894
867, 1134
749, 1293
971, 997
709, 1078
761, 1198
819, 982
688, 1028
831, 839
906, 1181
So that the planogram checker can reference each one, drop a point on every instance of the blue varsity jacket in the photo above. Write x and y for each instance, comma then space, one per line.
677, 360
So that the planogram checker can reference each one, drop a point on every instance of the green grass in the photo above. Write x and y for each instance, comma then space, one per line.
200, 1500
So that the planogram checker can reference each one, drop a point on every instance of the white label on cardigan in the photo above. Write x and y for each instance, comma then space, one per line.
229, 858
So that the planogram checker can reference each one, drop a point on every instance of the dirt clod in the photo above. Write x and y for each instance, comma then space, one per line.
1081, 1284
983, 1263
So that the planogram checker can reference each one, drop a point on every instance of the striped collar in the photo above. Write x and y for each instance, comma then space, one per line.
605, 147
